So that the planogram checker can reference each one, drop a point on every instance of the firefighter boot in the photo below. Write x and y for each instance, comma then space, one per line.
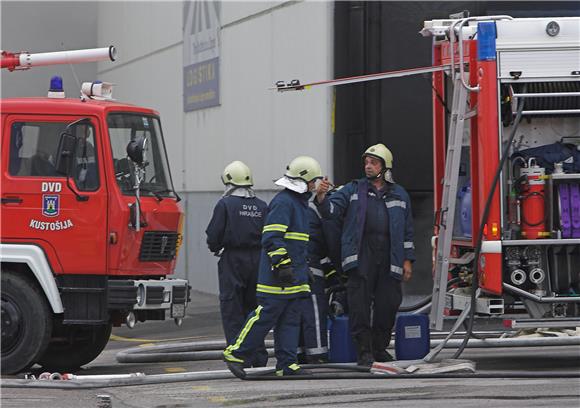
235, 365
364, 357
237, 369
292, 370
379, 349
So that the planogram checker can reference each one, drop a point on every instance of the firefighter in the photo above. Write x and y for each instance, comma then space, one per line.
234, 234
283, 273
314, 309
377, 250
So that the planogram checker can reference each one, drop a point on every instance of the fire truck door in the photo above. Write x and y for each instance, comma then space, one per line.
40, 206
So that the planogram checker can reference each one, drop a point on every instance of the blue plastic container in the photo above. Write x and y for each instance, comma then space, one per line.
465, 211
341, 346
412, 336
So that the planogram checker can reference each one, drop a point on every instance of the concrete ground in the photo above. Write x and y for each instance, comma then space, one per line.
204, 323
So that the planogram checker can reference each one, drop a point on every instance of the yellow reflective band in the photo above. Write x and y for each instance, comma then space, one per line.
332, 272
275, 227
279, 373
283, 262
277, 290
248, 326
228, 356
294, 367
280, 251
297, 236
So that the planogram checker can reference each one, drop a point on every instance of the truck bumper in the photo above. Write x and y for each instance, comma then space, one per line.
91, 299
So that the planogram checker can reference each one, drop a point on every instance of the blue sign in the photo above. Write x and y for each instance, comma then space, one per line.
201, 85
50, 205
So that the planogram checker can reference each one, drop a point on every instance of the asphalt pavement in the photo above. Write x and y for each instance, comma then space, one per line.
203, 323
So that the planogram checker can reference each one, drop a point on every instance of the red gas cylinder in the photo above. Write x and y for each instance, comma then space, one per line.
533, 215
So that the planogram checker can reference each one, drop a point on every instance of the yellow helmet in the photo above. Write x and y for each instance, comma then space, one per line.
380, 151
304, 168
237, 174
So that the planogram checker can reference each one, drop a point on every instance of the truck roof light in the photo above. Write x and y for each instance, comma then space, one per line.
97, 90
56, 90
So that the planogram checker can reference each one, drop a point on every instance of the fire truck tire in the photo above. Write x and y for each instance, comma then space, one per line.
26, 322
84, 343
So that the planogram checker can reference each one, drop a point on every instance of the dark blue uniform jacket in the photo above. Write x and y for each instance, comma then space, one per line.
350, 202
285, 241
236, 223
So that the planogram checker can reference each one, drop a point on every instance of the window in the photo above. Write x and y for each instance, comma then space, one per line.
33, 150
124, 127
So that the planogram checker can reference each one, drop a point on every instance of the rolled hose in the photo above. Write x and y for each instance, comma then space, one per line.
212, 350
266, 374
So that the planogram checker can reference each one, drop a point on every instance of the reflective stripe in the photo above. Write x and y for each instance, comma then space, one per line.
317, 272
329, 274
294, 367
349, 259
228, 356
246, 329
408, 245
277, 290
299, 236
397, 269
331, 208
354, 197
316, 322
315, 351
396, 203
283, 262
325, 260
279, 251
275, 227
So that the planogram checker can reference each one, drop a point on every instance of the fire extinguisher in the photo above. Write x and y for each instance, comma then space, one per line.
532, 199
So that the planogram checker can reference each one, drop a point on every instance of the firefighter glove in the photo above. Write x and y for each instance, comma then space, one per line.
284, 274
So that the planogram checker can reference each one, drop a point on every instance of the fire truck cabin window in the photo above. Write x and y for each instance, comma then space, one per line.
33, 150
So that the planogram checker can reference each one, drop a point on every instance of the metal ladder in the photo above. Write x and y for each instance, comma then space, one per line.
459, 115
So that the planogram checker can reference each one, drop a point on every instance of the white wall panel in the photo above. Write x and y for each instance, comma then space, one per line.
138, 28
256, 125
234, 11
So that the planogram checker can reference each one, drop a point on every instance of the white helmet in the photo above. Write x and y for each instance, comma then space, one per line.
237, 174
381, 152
304, 168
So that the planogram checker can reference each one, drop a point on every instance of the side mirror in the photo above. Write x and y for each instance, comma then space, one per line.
65, 153
136, 150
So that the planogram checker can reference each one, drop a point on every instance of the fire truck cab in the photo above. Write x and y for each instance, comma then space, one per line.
90, 226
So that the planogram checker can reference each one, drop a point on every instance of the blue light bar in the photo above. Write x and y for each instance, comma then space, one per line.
486, 35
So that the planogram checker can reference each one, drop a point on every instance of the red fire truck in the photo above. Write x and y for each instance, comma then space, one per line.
90, 220
507, 167
506, 140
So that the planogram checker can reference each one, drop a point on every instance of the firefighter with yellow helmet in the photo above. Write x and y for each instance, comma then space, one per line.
234, 234
283, 277
377, 249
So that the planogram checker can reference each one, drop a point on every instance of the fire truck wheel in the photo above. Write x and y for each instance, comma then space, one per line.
74, 346
26, 322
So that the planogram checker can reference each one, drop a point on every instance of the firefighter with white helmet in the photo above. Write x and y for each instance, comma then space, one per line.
377, 249
283, 277
234, 234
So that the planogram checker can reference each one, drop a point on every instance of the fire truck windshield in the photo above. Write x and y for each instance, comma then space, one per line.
124, 127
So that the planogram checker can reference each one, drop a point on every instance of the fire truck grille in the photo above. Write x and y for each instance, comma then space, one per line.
158, 246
